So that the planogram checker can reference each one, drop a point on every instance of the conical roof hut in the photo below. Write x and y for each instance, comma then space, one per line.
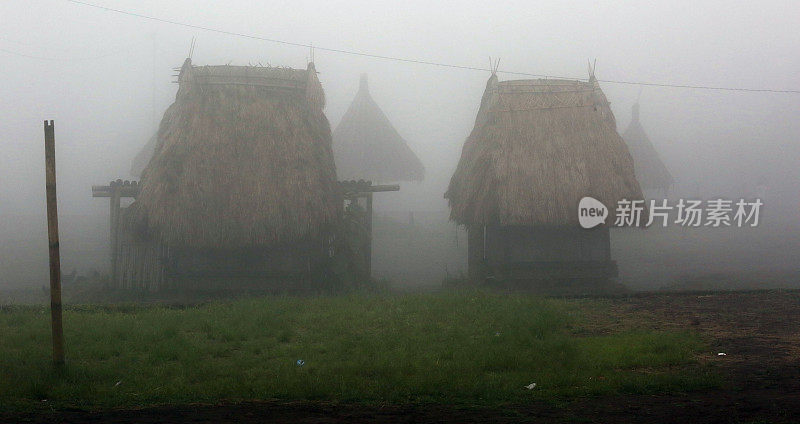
243, 159
650, 170
537, 148
367, 146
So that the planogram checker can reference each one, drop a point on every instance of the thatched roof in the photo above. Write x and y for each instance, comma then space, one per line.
537, 148
367, 146
243, 158
650, 170
142, 158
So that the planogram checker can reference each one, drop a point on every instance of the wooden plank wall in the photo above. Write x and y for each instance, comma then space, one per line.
139, 263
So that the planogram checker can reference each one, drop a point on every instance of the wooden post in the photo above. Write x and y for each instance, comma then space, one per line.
52, 237
114, 204
369, 233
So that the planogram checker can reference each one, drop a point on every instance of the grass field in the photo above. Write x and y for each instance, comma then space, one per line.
452, 347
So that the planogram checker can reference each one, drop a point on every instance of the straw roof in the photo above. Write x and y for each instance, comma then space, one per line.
367, 146
243, 158
142, 158
537, 148
650, 170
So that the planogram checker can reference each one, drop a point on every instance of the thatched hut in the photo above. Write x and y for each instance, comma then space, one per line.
367, 146
241, 187
651, 172
537, 148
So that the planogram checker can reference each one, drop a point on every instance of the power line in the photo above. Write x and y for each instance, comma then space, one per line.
417, 61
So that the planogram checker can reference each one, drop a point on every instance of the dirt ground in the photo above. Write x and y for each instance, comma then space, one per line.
759, 332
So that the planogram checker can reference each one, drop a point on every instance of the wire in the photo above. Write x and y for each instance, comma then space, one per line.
421, 62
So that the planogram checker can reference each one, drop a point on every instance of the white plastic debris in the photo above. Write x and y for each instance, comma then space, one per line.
300, 362
722, 354
117, 383
530, 386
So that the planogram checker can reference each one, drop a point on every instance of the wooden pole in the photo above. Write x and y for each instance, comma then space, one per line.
52, 236
369, 232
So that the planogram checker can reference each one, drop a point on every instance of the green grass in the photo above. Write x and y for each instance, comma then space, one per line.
455, 347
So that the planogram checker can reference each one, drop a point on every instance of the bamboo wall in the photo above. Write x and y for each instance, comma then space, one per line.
141, 264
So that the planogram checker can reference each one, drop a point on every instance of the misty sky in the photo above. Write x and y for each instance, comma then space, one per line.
95, 73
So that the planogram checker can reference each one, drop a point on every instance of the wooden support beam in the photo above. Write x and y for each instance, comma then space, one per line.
125, 188
383, 187
52, 237
132, 188
357, 189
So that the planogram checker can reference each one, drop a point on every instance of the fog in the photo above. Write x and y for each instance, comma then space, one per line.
106, 79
